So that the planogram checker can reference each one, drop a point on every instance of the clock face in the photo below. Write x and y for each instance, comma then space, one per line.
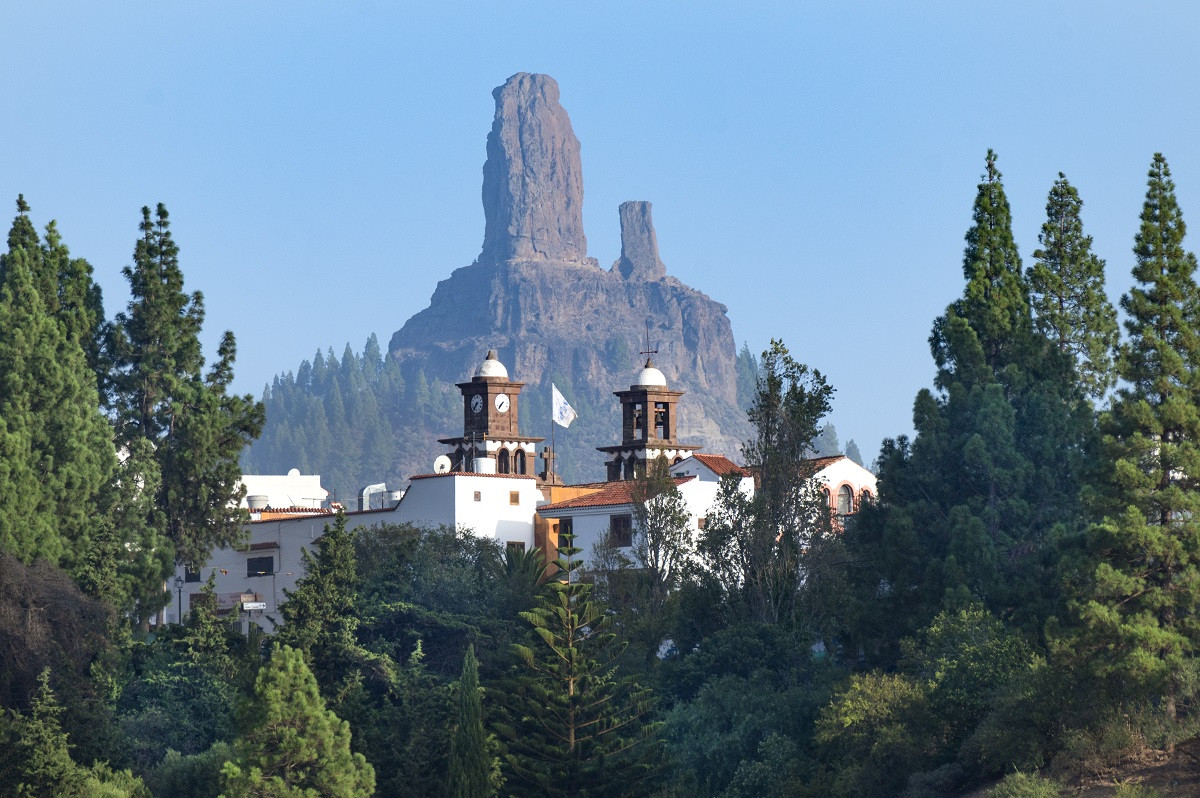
502, 402
476, 403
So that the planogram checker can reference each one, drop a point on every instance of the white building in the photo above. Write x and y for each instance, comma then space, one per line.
486, 483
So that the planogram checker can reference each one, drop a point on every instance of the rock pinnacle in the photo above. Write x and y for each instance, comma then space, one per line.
532, 179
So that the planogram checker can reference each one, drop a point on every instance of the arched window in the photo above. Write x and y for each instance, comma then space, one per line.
502, 461
677, 461
845, 504
630, 465
519, 461
866, 497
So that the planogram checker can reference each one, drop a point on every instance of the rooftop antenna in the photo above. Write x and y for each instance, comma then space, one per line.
648, 351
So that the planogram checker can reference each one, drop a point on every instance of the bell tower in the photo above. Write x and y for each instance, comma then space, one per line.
491, 441
649, 422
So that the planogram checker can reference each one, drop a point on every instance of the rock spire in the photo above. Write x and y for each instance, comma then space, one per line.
532, 179
639, 244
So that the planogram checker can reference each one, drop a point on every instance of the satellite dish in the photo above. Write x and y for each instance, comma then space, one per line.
441, 465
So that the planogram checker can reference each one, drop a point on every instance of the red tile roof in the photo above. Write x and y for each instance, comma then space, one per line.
720, 465
614, 493
821, 462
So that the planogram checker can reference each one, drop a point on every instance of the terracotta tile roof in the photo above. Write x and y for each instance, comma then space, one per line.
270, 544
720, 465
285, 513
615, 493
821, 462
472, 474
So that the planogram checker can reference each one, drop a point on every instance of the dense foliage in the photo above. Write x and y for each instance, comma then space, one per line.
1020, 598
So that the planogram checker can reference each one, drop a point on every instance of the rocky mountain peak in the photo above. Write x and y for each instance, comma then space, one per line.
639, 244
533, 178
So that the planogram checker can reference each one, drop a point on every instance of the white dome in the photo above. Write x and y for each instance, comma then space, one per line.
491, 367
650, 377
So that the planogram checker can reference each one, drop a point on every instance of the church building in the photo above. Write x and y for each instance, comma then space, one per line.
485, 482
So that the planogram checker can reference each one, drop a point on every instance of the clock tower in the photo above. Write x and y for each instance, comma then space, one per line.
491, 441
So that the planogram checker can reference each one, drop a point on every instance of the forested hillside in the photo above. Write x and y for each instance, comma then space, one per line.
1015, 614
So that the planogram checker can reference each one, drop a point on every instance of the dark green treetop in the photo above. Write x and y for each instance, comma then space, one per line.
471, 759
574, 726
1138, 608
58, 446
1067, 291
321, 615
995, 303
293, 745
197, 429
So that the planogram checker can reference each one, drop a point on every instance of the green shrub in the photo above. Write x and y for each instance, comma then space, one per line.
1127, 789
1024, 785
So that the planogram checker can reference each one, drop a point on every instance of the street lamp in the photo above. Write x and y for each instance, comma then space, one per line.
179, 590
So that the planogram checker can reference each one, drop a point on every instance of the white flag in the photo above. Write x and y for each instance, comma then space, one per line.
564, 414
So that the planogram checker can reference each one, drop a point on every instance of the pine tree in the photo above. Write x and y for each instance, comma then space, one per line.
293, 745
1067, 289
1138, 611
976, 503
853, 453
574, 726
58, 446
470, 759
995, 304
321, 615
38, 760
196, 429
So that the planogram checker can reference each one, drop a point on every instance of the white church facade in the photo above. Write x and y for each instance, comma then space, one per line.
485, 482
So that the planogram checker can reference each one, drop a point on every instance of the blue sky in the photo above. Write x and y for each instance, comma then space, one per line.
811, 166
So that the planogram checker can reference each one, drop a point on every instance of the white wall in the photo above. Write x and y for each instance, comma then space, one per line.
444, 499
291, 490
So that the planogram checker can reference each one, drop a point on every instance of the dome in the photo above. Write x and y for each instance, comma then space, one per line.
491, 367
650, 377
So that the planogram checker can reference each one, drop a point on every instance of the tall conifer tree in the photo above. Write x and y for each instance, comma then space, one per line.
575, 727
1139, 610
470, 760
1067, 287
294, 745
58, 446
974, 504
197, 430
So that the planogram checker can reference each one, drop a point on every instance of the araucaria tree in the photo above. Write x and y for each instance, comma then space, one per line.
1139, 609
574, 727
294, 745
1066, 285
196, 430
755, 547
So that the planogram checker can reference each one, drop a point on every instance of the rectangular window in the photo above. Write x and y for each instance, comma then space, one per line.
514, 497
191, 574
260, 566
478, 496
516, 546
620, 530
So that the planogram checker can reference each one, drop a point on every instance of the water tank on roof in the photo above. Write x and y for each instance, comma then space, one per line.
258, 501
